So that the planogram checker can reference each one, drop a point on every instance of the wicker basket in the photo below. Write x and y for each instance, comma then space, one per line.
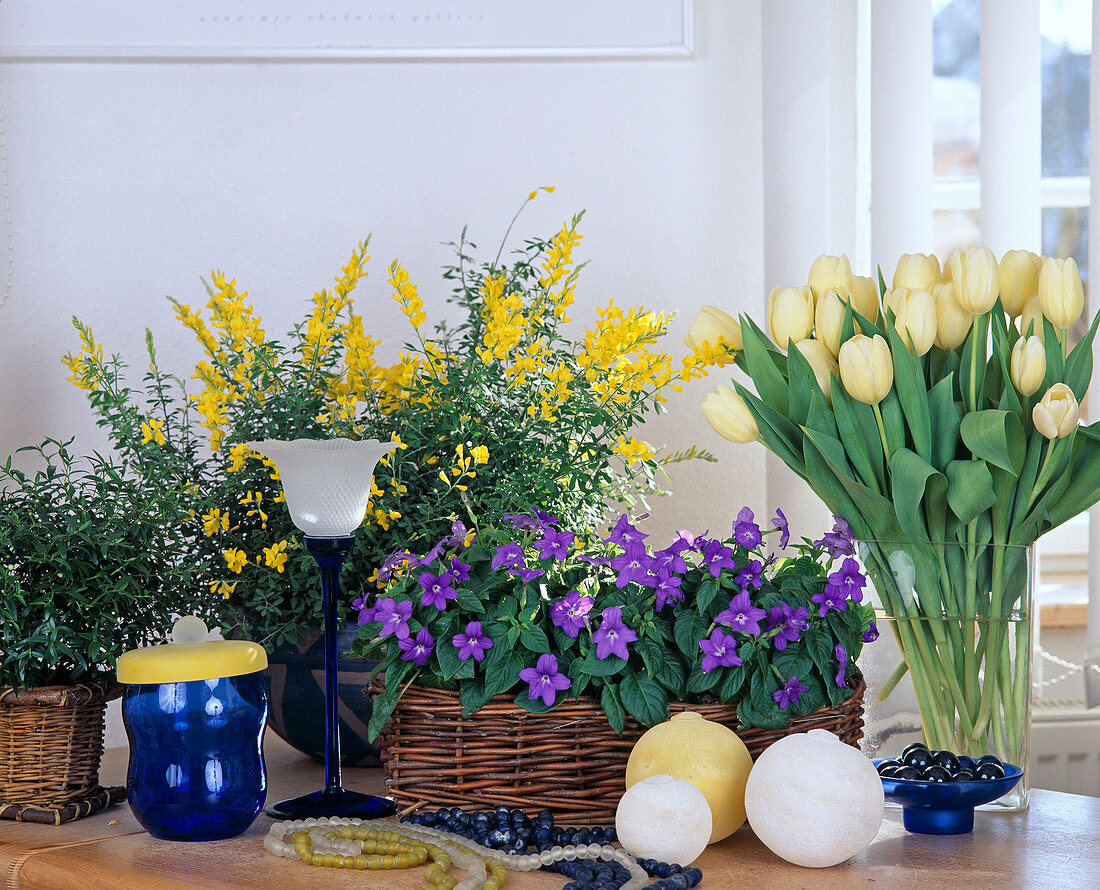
569, 761
51, 743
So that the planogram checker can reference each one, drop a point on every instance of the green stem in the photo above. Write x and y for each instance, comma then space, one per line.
881, 432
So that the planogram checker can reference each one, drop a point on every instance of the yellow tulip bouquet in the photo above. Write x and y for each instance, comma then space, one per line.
938, 419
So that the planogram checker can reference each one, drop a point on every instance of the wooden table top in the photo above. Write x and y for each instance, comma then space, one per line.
1053, 845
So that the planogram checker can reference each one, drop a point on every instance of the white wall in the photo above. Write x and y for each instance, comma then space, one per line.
130, 181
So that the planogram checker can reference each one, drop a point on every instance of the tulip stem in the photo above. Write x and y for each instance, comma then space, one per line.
881, 432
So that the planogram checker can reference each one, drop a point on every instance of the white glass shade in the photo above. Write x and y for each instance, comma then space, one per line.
326, 482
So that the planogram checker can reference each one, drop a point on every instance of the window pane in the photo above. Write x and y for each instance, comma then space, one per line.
955, 230
1066, 26
956, 98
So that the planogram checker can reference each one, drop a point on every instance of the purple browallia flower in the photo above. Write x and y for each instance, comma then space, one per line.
720, 650
460, 571
366, 613
789, 693
750, 575
742, 615
848, 581
554, 544
842, 657
829, 598
472, 643
545, 520
436, 590
509, 556
779, 522
668, 589
632, 564
525, 574
393, 562
417, 651
685, 540
839, 541
745, 530
612, 636
624, 534
791, 623
871, 634
394, 617
571, 612
669, 560
594, 560
520, 520
717, 557
544, 679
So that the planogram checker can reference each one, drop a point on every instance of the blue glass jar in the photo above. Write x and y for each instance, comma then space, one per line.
196, 743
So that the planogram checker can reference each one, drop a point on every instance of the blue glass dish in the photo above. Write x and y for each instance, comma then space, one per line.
945, 807
196, 756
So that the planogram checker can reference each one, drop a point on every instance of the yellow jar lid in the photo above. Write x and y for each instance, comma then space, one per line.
190, 656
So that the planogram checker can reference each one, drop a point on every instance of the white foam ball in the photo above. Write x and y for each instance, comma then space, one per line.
813, 800
664, 818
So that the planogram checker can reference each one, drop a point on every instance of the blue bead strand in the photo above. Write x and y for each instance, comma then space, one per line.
512, 831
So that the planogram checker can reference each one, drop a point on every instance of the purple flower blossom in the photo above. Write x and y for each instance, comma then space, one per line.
779, 522
789, 693
632, 564
842, 657
790, 622
525, 574
871, 634
745, 530
394, 617
509, 556
685, 540
395, 561
625, 534
742, 615
460, 571
419, 650
829, 598
544, 679
750, 575
717, 557
432, 555
571, 612
554, 544
436, 590
848, 581
612, 636
545, 520
520, 520
668, 589
839, 541
594, 560
472, 643
720, 650
669, 560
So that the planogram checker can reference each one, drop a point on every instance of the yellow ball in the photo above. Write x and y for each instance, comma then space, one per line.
707, 754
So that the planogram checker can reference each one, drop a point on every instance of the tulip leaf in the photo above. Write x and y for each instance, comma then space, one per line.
969, 489
762, 365
972, 363
1052, 345
1026, 482
1003, 339
857, 430
946, 416
1057, 477
801, 383
893, 421
1085, 469
997, 437
916, 483
912, 395
779, 434
1079, 363
819, 417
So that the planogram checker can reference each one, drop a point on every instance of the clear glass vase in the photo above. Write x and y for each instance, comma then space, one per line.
952, 666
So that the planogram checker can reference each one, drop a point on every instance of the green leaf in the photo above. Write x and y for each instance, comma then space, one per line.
644, 699
698, 682
534, 638
969, 489
602, 667
996, 437
1079, 362
449, 663
801, 385
732, 686
537, 705
1084, 469
762, 364
688, 630
612, 706
912, 395
472, 697
918, 489
946, 416
502, 671
468, 601
776, 430
858, 431
663, 666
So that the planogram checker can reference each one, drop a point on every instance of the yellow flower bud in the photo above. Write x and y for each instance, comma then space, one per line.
829, 318
822, 362
829, 272
866, 368
977, 278
917, 271
865, 297
1060, 291
1019, 272
914, 317
730, 417
952, 321
1028, 365
711, 327
790, 314
1031, 319
1055, 415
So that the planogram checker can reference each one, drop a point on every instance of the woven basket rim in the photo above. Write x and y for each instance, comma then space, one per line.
63, 696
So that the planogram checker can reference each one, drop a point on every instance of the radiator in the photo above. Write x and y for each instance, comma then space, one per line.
1065, 746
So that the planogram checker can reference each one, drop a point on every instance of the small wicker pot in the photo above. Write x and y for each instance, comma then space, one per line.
51, 744
569, 761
